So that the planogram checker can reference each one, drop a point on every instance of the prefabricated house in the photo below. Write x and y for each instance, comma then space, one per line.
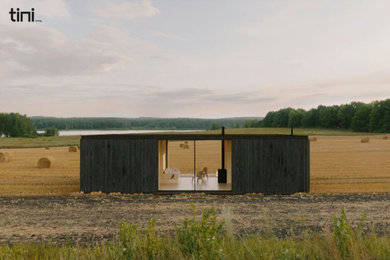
164, 163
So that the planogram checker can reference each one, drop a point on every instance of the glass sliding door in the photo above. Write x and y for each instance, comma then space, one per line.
176, 165
208, 159
192, 165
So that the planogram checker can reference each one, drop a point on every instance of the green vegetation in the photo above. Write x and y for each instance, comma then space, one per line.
51, 131
16, 125
356, 116
208, 238
145, 123
52, 141
287, 131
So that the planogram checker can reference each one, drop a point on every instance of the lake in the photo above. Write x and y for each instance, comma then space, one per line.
108, 132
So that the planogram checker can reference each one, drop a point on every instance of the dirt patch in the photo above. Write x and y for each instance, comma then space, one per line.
89, 219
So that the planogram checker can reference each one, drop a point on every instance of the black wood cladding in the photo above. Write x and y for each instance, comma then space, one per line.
269, 164
118, 165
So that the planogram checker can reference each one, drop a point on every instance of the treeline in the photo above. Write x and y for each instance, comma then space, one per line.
16, 125
147, 123
355, 116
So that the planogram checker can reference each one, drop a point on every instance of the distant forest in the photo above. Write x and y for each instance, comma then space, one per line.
148, 123
356, 116
16, 125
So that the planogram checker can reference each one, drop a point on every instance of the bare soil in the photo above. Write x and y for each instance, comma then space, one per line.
88, 219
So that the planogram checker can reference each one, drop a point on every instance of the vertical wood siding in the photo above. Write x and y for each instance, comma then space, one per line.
118, 165
271, 165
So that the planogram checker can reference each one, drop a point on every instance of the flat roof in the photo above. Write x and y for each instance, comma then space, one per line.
184, 136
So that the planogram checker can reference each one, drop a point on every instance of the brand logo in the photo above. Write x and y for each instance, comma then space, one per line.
23, 16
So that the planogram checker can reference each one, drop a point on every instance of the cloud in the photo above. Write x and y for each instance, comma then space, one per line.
126, 10
168, 36
52, 8
43, 51
204, 96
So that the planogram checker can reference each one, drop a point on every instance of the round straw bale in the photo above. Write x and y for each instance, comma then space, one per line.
385, 137
73, 149
47, 148
313, 139
45, 162
365, 140
5, 157
78, 147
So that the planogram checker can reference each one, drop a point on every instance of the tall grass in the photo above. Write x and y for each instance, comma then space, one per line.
50, 141
207, 238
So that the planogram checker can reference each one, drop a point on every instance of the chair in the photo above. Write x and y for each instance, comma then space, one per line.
201, 175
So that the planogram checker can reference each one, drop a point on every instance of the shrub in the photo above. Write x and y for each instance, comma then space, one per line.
51, 131
200, 238
344, 236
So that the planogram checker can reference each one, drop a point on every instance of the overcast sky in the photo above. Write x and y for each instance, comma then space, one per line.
186, 58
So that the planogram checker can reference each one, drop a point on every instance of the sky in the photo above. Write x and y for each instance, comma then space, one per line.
186, 58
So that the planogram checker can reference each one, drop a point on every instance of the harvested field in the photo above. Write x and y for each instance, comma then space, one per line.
22, 177
344, 164
93, 219
339, 164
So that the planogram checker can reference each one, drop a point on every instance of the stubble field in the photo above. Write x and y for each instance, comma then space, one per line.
339, 164
45, 205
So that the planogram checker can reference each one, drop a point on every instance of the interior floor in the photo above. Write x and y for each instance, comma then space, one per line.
185, 182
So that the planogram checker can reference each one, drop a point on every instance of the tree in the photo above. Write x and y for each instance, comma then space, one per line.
51, 131
215, 126
345, 114
380, 117
327, 116
295, 118
281, 117
361, 119
251, 123
310, 118
268, 120
16, 125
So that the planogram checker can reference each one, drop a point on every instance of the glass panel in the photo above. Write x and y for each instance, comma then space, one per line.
208, 161
193, 165
176, 165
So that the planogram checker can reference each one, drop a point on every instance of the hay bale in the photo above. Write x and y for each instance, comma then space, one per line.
73, 149
5, 157
45, 162
47, 148
313, 139
385, 137
365, 140
78, 147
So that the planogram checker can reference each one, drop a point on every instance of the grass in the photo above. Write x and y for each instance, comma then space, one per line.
208, 238
287, 131
75, 140
52, 141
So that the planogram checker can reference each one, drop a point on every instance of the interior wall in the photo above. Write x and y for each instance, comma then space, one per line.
228, 160
161, 160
